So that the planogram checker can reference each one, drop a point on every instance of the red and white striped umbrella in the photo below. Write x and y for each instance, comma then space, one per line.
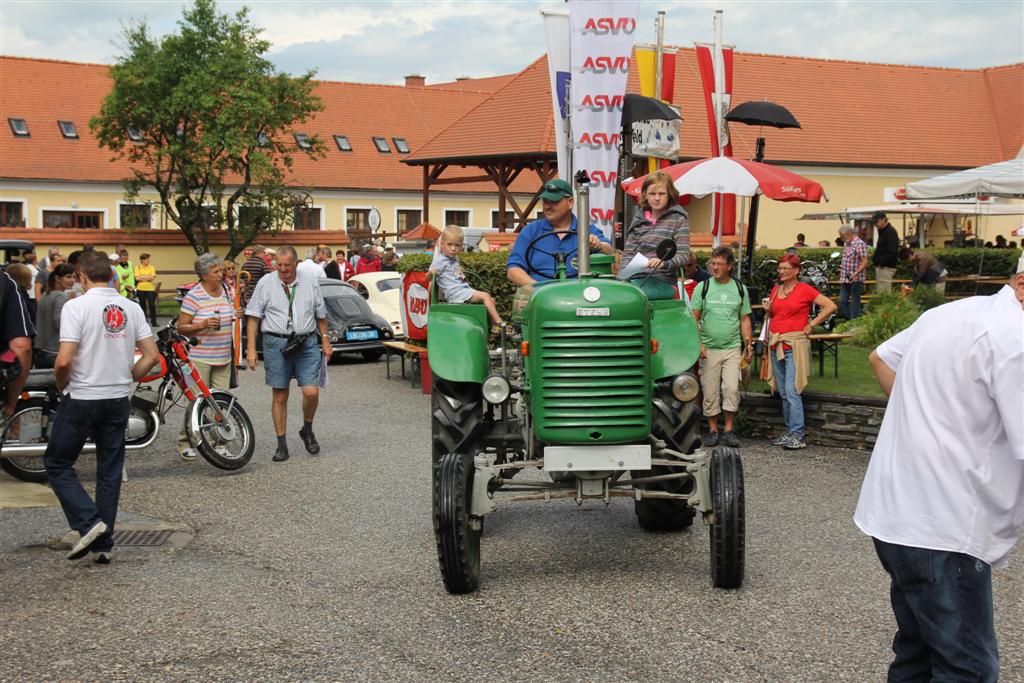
729, 175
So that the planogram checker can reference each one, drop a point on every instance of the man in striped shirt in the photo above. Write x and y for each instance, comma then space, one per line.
288, 308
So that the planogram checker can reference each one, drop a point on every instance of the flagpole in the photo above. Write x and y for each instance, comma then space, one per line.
718, 68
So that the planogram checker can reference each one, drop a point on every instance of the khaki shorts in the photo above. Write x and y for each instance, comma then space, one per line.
720, 379
883, 279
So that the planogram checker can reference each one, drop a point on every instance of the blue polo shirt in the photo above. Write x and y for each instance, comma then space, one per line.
551, 243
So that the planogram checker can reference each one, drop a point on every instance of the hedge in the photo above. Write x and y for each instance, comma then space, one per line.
490, 267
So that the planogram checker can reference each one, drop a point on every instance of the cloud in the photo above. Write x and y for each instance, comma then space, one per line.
382, 41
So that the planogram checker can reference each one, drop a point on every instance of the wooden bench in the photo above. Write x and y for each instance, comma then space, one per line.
401, 348
827, 343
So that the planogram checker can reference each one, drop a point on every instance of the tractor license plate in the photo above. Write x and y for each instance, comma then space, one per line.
581, 458
361, 335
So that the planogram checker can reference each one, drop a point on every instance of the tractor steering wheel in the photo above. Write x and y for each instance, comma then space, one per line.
532, 247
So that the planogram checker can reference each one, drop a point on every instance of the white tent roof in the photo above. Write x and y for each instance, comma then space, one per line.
1005, 179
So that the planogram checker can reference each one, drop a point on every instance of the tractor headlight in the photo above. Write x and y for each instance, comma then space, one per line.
496, 389
685, 387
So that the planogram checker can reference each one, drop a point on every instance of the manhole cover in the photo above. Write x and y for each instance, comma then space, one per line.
138, 537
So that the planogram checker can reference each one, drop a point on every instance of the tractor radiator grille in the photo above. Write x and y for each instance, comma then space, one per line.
592, 383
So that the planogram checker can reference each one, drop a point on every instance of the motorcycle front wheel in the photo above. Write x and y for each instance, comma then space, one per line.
226, 443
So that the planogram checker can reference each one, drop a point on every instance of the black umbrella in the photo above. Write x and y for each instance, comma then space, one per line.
763, 114
640, 108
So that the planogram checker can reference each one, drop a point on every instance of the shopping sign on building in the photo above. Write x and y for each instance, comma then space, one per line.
656, 138
601, 44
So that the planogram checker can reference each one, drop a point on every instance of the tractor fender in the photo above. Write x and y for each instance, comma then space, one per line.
457, 342
673, 326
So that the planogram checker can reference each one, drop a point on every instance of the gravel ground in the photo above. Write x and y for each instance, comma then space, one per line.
324, 569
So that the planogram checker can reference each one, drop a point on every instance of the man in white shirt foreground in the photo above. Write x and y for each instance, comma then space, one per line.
943, 497
94, 370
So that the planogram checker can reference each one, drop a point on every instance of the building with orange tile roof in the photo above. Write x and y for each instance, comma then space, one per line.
866, 127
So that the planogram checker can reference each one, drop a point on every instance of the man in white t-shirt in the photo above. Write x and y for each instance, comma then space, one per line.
94, 370
943, 497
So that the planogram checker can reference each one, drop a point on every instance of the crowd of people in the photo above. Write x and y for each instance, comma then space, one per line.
938, 543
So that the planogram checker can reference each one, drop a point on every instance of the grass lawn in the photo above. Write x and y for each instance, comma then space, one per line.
855, 375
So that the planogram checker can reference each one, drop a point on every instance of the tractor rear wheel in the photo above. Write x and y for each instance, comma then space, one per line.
680, 430
456, 425
456, 534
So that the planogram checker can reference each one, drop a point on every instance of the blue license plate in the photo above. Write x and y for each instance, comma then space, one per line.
361, 335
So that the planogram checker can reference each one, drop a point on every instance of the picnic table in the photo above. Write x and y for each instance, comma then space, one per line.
402, 348
827, 343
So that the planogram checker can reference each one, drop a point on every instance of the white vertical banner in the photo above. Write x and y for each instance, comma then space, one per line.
556, 28
602, 45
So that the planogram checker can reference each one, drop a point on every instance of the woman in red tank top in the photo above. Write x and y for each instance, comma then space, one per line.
790, 310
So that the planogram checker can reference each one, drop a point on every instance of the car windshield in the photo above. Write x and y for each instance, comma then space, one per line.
389, 284
344, 301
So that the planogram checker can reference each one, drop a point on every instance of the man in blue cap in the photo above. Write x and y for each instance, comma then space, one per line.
557, 233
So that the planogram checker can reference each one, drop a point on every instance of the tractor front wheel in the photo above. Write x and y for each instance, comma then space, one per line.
456, 412
728, 524
456, 533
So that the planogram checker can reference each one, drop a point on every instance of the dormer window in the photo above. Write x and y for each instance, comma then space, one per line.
67, 129
382, 145
401, 145
134, 135
342, 142
302, 140
19, 127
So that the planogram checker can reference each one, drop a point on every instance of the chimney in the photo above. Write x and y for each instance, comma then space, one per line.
415, 81
459, 79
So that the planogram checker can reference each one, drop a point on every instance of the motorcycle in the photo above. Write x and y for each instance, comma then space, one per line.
216, 424
817, 274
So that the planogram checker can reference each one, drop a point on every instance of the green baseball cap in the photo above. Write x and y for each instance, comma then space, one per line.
555, 190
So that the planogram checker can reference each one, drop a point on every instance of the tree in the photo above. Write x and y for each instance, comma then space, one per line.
205, 120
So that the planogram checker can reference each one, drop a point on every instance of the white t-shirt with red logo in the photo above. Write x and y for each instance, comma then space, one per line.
105, 325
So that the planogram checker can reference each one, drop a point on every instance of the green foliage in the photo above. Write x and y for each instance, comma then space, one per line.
925, 297
214, 119
886, 315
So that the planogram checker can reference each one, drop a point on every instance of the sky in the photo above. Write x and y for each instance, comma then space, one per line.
381, 42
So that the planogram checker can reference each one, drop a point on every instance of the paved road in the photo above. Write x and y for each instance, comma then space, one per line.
324, 569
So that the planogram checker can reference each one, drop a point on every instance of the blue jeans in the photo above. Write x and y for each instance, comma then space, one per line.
943, 607
75, 420
303, 365
849, 299
785, 384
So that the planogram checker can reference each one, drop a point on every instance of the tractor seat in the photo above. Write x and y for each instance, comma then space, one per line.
40, 380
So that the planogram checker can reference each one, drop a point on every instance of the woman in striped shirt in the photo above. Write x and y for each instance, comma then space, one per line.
207, 314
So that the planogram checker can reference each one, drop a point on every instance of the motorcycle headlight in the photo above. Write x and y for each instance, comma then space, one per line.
685, 387
496, 389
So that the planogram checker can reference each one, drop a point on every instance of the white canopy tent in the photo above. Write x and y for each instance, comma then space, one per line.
1004, 179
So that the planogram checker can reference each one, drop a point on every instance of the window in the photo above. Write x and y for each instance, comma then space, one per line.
302, 140
92, 220
19, 127
457, 217
134, 135
67, 129
401, 145
357, 219
407, 219
382, 145
306, 218
253, 217
135, 215
510, 219
342, 142
11, 215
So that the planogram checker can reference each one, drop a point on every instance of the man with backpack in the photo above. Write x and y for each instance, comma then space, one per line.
721, 306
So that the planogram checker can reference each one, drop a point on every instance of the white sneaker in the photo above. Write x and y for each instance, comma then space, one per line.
189, 454
81, 549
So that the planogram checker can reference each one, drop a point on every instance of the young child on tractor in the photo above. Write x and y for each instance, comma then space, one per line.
452, 279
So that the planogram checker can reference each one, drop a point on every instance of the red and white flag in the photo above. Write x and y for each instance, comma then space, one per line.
715, 65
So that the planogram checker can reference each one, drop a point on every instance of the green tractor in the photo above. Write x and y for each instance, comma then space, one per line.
599, 392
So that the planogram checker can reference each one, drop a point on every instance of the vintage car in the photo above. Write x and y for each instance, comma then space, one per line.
383, 292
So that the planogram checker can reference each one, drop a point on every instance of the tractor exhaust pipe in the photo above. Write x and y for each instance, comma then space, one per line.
583, 222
